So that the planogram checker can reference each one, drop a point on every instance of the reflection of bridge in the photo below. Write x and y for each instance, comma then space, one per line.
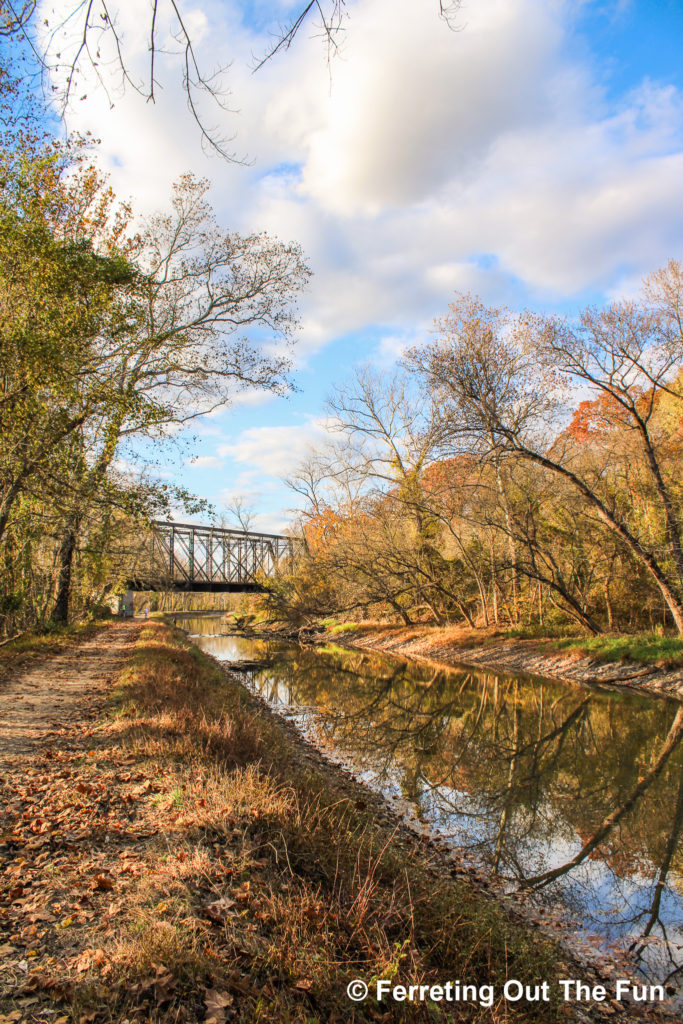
183, 556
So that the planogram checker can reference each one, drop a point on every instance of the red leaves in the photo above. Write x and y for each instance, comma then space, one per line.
88, 960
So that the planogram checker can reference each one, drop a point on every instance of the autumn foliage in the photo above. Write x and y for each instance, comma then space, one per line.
480, 485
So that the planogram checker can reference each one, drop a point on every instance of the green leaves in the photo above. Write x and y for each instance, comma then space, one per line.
109, 340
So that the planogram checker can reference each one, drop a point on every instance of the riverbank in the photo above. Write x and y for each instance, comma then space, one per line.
181, 855
565, 661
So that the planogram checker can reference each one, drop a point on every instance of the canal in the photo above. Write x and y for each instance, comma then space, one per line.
573, 794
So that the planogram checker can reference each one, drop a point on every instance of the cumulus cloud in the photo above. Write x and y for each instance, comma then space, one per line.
424, 149
413, 105
565, 207
276, 451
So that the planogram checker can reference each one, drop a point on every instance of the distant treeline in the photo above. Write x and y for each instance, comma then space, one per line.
517, 469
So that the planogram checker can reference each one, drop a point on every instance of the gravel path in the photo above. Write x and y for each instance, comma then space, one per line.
56, 689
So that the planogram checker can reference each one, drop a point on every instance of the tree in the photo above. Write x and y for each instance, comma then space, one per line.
179, 354
384, 434
55, 295
502, 381
110, 338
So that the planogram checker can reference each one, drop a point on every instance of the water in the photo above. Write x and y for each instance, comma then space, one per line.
530, 777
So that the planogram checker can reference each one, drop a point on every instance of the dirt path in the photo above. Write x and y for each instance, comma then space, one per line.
57, 689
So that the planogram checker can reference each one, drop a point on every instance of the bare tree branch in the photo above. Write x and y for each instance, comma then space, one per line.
331, 23
95, 21
12, 19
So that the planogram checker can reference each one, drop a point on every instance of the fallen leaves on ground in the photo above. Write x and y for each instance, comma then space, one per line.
220, 910
216, 1003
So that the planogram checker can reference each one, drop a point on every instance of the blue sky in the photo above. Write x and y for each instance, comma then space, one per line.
533, 156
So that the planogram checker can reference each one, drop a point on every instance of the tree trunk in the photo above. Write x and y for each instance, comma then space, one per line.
512, 547
670, 593
438, 618
66, 557
575, 610
482, 597
401, 611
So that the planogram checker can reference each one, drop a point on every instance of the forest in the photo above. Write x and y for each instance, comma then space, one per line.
517, 469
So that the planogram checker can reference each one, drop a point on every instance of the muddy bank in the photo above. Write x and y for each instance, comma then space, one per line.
447, 646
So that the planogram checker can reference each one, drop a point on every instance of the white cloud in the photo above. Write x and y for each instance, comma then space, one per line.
249, 480
425, 149
392, 347
249, 488
205, 461
276, 451
249, 398
267, 522
566, 209
413, 104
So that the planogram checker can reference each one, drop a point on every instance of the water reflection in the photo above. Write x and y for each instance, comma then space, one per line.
574, 792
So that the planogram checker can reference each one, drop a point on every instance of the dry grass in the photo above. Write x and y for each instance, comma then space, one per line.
22, 649
245, 882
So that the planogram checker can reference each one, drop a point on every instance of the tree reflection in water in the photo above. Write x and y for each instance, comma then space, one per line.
574, 792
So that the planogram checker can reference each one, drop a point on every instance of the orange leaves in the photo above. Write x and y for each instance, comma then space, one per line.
448, 475
594, 418
88, 960
320, 527
333, 524
597, 417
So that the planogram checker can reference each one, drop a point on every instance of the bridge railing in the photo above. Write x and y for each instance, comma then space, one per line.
189, 555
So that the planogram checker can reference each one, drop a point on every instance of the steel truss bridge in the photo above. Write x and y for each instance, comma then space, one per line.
182, 556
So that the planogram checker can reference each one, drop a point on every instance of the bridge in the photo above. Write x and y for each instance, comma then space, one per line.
183, 556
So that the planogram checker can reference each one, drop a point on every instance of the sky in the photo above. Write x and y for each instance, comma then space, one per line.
531, 152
